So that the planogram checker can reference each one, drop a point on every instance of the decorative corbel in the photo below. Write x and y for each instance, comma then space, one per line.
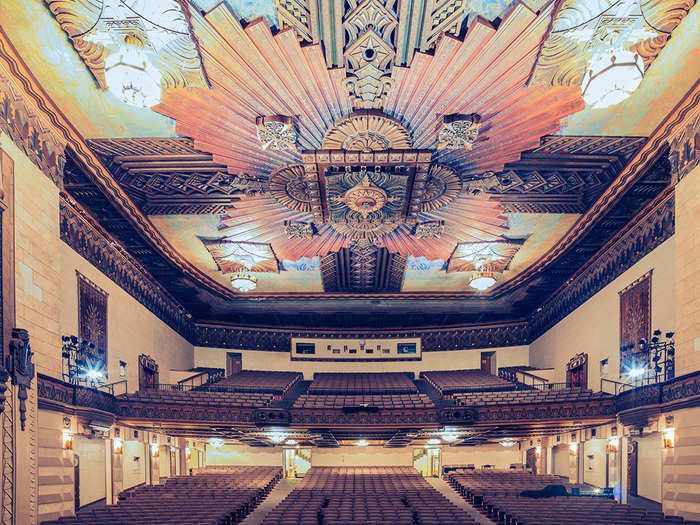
21, 368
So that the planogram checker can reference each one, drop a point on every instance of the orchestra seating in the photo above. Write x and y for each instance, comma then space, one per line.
400, 401
526, 396
497, 494
366, 496
259, 381
201, 397
362, 383
450, 381
208, 498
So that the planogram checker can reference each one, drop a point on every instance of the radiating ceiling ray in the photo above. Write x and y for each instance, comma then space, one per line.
484, 74
252, 74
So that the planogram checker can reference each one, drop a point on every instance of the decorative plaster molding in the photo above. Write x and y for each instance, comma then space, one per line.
30, 133
436, 339
655, 225
85, 236
684, 153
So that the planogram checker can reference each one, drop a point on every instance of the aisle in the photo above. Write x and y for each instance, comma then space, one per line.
446, 490
273, 499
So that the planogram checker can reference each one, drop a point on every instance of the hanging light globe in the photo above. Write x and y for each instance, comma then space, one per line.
244, 282
131, 76
482, 280
612, 76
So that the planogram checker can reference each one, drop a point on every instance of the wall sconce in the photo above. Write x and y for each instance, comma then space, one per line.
573, 448
538, 450
67, 440
154, 450
118, 445
669, 435
613, 443
188, 453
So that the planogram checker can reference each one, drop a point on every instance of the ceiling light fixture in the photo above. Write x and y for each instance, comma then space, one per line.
131, 76
244, 282
450, 436
507, 443
216, 442
612, 76
362, 443
433, 441
481, 280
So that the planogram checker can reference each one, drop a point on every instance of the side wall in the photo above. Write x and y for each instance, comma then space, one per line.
594, 327
448, 360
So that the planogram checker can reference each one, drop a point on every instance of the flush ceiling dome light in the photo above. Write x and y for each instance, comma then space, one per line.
244, 282
131, 76
613, 75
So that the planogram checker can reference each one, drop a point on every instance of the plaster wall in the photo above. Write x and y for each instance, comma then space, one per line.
92, 468
649, 466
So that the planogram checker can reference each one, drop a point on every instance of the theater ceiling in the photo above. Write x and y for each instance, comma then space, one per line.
345, 156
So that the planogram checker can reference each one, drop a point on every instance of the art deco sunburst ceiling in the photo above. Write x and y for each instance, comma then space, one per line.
366, 145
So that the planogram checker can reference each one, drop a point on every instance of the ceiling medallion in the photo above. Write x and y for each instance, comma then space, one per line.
442, 187
458, 131
365, 198
367, 130
276, 132
291, 188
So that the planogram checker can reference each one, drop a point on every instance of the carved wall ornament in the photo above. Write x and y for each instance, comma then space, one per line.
98, 30
92, 313
30, 133
21, 368
685, 150
635, 317
299, 229
365, 130
458, 131
276, 132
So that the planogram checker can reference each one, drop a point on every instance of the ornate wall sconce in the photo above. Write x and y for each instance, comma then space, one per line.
118, 445
67, 440
669, 437
155, 450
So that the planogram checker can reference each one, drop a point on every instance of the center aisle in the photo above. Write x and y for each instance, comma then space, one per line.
281, 491
446, 490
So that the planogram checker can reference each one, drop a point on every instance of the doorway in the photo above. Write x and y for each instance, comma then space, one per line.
488, 362
148, 372
427, 461
577, 372
632, 464
531, 459
297, 461
234, 363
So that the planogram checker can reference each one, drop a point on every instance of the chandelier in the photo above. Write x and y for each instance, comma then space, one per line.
131, 76
612, 76
481, 280
244, 281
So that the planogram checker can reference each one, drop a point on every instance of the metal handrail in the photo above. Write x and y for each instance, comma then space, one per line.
111, 388
617, 386
202, 378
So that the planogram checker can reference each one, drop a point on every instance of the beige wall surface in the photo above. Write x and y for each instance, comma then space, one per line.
92, 468
560, 460
649, 466
134, 471
681, 475
594, 462
688, 273
498, 455
448, 360
361, 457
243, 455
131, 328
594, 327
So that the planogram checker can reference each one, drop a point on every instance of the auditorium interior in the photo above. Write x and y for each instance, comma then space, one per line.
350, 262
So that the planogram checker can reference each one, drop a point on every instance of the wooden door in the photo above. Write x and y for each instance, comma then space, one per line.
531, 459
234, 363
488, 362
632, 463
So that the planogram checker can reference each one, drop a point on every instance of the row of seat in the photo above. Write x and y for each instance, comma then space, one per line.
362, 383
202, 499
450, 381
526, 396
497, 493
247, 399
366, 496
399, 401
260, 381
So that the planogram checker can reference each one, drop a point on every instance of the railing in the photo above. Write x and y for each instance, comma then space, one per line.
609, 386
116, 388
55, 390
177, 387
202, 378
526, 380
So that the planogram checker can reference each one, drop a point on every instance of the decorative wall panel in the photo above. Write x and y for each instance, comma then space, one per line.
92, 312
635, 317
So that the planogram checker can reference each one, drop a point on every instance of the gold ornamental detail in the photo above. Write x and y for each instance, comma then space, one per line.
365, 198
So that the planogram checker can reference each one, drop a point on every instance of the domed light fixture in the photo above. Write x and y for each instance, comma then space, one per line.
131, 76
216, 442
244, 282
481, 280
612, 76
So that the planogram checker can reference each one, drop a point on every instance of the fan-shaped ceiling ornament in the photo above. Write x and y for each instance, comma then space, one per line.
367, 130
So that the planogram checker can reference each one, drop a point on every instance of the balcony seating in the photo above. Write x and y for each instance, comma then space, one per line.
496, 493
527, 396
362, 383
259, 381
399, 401
203, 499
366, 496
450, 381
194, 397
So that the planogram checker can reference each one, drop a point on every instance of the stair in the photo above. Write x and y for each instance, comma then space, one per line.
274, 498
446, 490
297, 390
425, 388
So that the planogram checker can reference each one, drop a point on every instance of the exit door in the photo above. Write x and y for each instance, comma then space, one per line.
488, 362
427, 461
297, 461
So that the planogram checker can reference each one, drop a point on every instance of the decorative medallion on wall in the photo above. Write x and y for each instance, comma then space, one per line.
635, 317
92, 313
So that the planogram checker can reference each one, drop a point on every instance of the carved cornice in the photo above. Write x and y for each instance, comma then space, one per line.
648, 230
685, 149
29, 131
82, 233
435, 339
